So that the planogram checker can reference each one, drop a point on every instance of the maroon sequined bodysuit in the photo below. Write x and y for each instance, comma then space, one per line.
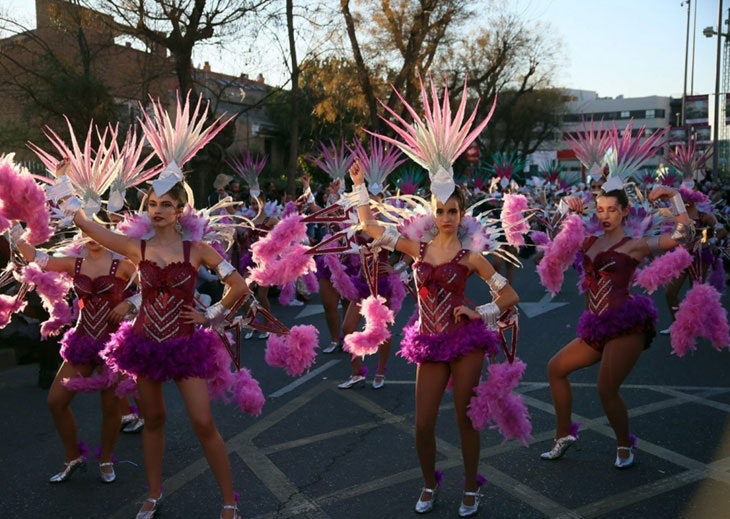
611, 310
165, 291
436, 336
97, 298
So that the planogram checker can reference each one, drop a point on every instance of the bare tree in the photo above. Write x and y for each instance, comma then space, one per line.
399, 43
178, 25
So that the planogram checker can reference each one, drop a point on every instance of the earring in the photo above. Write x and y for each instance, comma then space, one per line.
434, 230
178, 226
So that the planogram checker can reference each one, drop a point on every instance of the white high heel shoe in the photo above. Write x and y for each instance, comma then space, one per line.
624, 463
425, 506
236, 515
560, 446
107, 477
152, 512
470, 510
69, 468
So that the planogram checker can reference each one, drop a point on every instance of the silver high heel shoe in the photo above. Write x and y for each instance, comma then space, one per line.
69, 468
559, 447
470, 510
624, 463
423, 507
107, 477
354, 380
236, 515
149, 514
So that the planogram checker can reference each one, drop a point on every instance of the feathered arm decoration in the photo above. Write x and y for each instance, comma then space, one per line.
700, 314
663, 269
513, 219
436, 141
378, 317
22, 199
560, 252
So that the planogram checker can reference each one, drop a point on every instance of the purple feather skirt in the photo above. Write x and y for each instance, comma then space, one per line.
78, 348
177, 358
419, 347
637, 315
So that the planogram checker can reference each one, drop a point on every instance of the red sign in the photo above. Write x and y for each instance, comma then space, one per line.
472, 153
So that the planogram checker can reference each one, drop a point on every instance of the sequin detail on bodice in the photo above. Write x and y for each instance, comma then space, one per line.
165, 291
607, 277
97, 297
440, 290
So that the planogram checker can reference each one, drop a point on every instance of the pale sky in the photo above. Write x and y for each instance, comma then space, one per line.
614, 47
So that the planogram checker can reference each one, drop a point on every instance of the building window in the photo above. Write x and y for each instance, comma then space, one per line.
650, 114
625, 115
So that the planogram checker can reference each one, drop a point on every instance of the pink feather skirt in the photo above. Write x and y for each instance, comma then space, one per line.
637, 315
419, 347
176, 358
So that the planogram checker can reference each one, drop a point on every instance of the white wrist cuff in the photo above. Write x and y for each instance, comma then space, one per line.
135, 301
71, 205
215, 311
676, 205
363, 197
490, 313
497, 282
41, 259
389, 238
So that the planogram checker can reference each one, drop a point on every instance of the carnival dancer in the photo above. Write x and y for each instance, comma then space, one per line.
449, 340
335, 160
165, 341
616, 325
375, 165
99, 280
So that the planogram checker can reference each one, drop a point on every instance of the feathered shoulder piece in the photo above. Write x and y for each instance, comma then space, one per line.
438, 139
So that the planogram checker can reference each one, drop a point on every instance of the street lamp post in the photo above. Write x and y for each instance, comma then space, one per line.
709, 32
686, 60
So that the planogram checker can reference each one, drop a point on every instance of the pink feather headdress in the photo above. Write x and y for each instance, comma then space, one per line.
687, 159
335, 160
175, 144
590, 146
248, 166
90, 171
436, 141
377, 163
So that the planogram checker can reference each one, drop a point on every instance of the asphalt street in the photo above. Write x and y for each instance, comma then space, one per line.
321, 452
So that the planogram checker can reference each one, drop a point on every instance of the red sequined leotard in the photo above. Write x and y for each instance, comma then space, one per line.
160, 345
97, 297
611, 310
436, 336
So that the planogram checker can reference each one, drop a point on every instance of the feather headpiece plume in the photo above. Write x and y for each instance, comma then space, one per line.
590, 146
506, 166
436, 141
687, 159
132, 170
90, 171
378, 163
409, 181
627, 153
335, 160
175, 144
249, 167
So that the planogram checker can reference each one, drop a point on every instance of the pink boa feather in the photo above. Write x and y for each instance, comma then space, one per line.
91, 384
8, 306
61, 316
290, 230
560, 252
295, 351
513, 219
247, 393
22, 199
663, 269
52, 287
283, 269
494, 401
194, 224
310, 282
716, 278
340, 280
377, 315
700, 314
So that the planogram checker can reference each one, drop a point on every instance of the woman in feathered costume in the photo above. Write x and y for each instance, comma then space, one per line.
166, 340
376, 165
99, 280
449, 340
616, 325
687, 159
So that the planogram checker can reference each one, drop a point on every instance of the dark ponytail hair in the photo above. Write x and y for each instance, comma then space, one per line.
618, 194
